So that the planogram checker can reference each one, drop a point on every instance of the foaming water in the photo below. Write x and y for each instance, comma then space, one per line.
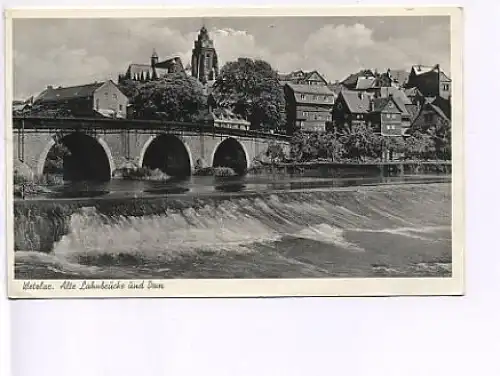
401, 230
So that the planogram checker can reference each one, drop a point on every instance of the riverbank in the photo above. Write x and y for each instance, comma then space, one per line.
357, 168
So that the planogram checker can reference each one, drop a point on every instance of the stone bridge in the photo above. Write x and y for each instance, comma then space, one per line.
99, 147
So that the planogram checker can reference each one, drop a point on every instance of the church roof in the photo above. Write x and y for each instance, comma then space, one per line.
168, 62
135, 70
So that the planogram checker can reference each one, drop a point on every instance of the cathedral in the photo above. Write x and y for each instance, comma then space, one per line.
204, 64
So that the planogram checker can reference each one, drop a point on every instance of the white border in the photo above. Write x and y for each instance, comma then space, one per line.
277, 287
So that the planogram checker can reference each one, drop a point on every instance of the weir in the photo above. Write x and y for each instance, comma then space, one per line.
334, 230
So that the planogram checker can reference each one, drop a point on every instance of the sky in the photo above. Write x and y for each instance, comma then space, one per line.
62, 52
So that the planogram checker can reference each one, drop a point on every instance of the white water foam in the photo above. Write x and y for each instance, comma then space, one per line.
162, 236
327, 234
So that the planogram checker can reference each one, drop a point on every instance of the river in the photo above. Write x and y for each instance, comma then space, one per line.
261, 226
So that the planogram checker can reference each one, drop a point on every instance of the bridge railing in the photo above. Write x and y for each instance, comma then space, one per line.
61, 123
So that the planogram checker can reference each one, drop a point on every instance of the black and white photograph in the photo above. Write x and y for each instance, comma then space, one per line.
157, 150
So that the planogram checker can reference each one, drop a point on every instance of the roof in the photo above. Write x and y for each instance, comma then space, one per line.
356, 102
168, 62
422, 69
412, 110
228, 115
412, 92
298, 77
399, 75
135, 70
438, 111
364, 83
336, 87
352, 79
66, 93
443, 76
398, 94
380, 103
310, 89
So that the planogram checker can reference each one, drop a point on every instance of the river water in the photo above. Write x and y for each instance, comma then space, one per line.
242, 227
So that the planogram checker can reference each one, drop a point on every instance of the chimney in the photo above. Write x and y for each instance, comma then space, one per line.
50, 87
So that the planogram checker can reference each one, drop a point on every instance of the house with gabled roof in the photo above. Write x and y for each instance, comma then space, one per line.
429, 117
308, 107
301, 77
95, 99
430, 80
351, 107
387, 115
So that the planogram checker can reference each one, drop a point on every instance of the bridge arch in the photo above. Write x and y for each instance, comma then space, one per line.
90, 158
231, 153
168, 153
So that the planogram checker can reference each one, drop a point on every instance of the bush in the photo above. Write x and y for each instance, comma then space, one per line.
141, 173
215, 171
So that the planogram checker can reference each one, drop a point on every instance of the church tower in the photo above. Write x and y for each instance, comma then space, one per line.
154, 61
204, 64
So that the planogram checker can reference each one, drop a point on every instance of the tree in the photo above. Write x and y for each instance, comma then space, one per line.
420, 146
308, 147
176, 97
441, 135
360, 142
394, 145
251, 89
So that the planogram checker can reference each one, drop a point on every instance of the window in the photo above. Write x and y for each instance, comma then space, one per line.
121, 107
115, 96
428, 117
446, 87
302, 96
97, 104
315, 117
315, 97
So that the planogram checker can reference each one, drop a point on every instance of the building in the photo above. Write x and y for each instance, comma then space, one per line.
351, 107
366, 78
386, 114
154, 70
308, 107
225, 118
431, 81
301, 77
204, 63
96, 99
399, 77
430, 115
204, 60
403, 102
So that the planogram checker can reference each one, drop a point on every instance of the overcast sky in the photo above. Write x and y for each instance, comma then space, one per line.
77, 51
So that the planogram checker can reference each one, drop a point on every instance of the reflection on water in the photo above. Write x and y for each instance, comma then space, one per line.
208, 184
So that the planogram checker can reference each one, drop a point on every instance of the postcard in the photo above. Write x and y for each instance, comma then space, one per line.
242, 152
